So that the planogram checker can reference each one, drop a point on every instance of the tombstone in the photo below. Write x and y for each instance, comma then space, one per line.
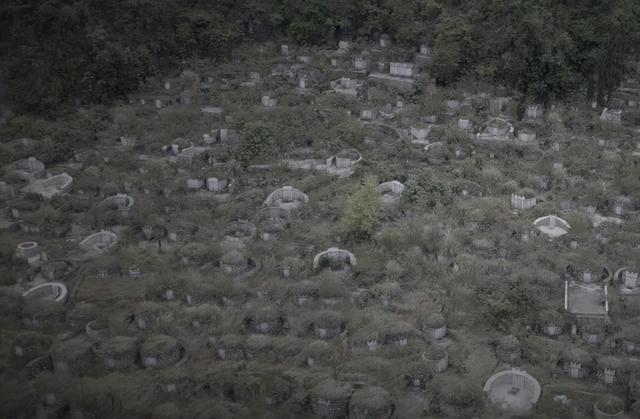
348, 83
367, 115
496, 105
185, 99
552, 330
194, 184
269, 102
302, 83
284, 49
150, 361
609, 375
167, 85
534, 111
360, 63
6, 191
213, 111
612, 116
216, 185
224, 135
630, 279
420, 133
453, 105
385, 41
157, 103
464, 124
401, 69
526, 136
574, 370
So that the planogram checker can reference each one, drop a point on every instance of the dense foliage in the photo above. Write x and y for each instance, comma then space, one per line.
59, 51
360, 217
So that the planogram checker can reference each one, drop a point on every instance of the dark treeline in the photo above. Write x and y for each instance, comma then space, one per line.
57, 51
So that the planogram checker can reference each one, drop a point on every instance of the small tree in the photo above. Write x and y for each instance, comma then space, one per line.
361, 214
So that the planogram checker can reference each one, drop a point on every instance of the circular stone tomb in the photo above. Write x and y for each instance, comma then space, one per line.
286, 197
49, 291
334, 257
609, 407
161, 351
50, 187
513, 390
552, 226
99, 242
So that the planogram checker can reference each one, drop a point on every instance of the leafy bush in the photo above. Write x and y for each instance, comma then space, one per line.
361, 214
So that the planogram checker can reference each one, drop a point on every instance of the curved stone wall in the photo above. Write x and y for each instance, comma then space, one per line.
599, 414
49, 187
61, 181
27, 250
49, 291
29, 166
520, 202
552, 225
391, 187
340, 160
272, 213
496, 128
119, 201
99, 241
286, 195
513, 390
551, 221
334, 254
438, 361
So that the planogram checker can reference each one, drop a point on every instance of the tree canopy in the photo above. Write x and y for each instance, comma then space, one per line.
57, 52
